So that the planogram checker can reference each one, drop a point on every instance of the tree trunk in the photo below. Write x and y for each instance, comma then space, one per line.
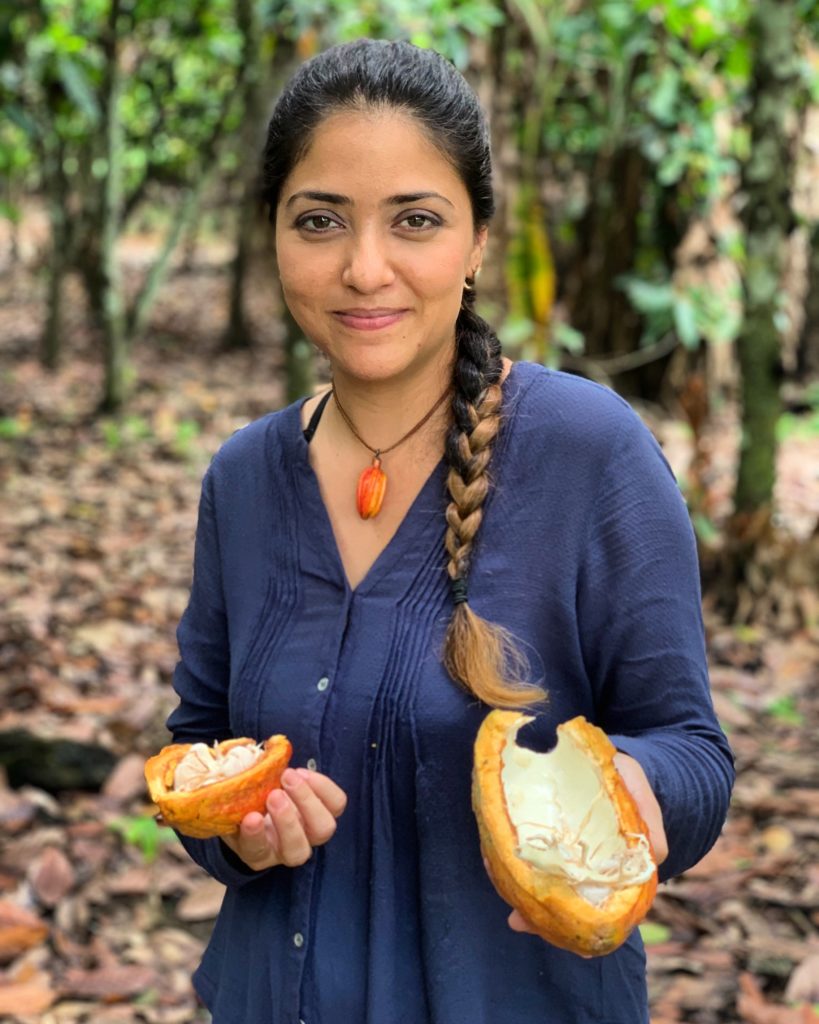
807, 364
137, 316
238, 333
298, 359
767, 180
111, 295
52, 332
608, 234
263, 80
57, 186
754, 554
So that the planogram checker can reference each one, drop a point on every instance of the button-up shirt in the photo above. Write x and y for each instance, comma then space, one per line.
587, 556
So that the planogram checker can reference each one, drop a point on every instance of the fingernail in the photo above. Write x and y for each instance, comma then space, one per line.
305, 773
289, 778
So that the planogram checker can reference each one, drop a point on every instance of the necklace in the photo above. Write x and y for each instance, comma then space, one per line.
372, 483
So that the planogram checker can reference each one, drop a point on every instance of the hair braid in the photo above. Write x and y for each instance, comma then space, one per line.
481, 656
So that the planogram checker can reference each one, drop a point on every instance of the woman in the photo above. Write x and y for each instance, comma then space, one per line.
377, 636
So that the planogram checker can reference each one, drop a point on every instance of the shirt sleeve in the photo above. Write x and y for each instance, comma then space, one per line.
202, 676
643, 639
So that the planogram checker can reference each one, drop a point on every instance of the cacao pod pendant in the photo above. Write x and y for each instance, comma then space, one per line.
371, 487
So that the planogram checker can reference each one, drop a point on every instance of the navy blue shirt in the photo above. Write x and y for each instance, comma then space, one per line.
586, 554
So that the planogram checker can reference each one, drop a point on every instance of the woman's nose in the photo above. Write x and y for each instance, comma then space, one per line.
367, 263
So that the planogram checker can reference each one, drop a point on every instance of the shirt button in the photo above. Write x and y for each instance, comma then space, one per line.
323, 683
311, 764
298, 940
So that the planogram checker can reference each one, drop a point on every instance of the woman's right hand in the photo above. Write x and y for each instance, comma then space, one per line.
300, 815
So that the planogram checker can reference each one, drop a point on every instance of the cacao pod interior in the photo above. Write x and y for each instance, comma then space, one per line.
565, 821
561, 835
218, 807
203, 765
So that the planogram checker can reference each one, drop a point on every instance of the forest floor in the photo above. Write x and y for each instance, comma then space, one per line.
102, 917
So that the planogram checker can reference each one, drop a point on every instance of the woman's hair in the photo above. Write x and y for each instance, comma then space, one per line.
369, 74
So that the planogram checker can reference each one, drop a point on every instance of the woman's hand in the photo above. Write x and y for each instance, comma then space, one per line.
300, 815
637, 784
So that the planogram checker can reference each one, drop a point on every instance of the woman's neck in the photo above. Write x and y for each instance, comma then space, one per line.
383, 411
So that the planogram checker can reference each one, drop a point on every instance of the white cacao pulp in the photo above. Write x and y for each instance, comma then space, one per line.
204, 765
577, 837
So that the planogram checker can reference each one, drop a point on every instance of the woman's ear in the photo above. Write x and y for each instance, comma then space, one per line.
476, 256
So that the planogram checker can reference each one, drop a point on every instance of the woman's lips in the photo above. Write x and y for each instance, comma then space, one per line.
368, 319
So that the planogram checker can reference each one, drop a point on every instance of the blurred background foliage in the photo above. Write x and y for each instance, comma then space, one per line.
657, 175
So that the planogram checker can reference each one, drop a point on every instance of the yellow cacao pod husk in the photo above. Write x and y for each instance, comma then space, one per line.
216, 809
561, 835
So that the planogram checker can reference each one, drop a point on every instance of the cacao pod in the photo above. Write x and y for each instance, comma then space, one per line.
562, 837
205, 791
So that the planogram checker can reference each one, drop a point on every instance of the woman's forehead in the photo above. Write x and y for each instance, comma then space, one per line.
382, 149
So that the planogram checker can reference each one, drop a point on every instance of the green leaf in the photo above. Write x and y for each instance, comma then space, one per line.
654, 933
10, 427
19, 117
705, 529
647, 296
685, 321
662, 102
784, 710
567, 338
737, 62
76, 84
144, 833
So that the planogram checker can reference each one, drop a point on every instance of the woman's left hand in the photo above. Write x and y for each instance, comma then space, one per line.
637, 784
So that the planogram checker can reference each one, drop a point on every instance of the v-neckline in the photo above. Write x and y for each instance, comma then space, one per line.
427, 503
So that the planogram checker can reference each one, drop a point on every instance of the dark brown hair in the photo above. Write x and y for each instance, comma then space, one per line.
367, 73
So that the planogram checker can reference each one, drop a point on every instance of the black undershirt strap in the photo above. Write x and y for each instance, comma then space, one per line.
311, 427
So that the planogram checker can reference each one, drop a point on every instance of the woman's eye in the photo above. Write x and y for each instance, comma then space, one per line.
318, 223
419, 221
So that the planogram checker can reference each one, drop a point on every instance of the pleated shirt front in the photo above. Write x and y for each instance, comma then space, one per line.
587, 556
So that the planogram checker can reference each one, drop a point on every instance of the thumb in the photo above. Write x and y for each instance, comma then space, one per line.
254, 840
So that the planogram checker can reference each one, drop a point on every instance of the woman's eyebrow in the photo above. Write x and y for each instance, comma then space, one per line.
320, 197
334, 199
414, 197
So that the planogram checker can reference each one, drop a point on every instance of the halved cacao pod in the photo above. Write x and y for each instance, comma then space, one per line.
206, 791
564, 841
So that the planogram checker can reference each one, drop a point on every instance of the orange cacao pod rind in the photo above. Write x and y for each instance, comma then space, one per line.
547, 901
371, 487
218, 808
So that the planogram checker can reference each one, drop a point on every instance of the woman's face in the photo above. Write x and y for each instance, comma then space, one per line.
374, 238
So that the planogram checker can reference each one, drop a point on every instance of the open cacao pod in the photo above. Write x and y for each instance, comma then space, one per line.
562, 836
205, 791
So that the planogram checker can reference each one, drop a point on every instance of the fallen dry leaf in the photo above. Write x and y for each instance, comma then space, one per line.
202, 903
127, 781
803, 984
23, 998
20, 929
109, 983
754, 1008
52, 876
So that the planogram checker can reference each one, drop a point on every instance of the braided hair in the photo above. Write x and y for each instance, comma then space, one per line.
368, 74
